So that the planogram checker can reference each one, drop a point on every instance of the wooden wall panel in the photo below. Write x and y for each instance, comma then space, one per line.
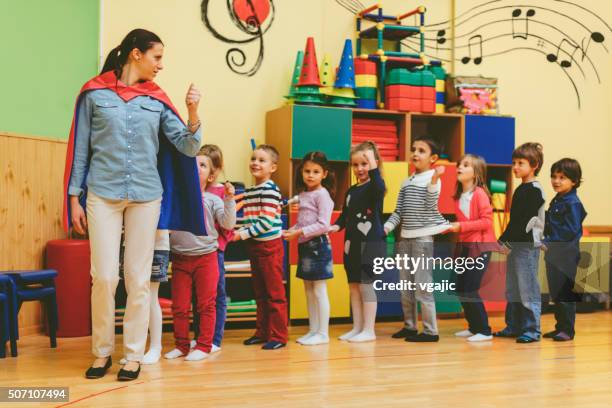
31, 188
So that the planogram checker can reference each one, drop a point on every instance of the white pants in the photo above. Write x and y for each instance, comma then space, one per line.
105, 219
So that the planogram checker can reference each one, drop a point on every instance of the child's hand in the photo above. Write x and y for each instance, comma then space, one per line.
543, 247
229, 190
334, 228
455, 227
291, 234
368, 155
438, 171
504, 249
236, 237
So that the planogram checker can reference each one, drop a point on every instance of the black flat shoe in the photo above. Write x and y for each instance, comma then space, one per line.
125, 375
403, 333
253, 340
550, 334
98, 372
423, 338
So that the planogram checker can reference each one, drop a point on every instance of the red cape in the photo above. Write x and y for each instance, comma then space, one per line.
173, 219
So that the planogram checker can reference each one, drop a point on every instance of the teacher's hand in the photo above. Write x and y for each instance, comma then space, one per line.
192, 99
78, 218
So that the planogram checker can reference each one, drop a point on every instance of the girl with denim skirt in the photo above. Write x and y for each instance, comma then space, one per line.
314, 180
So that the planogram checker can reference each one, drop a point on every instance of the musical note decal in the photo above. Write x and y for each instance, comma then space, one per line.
473, 41
522, 23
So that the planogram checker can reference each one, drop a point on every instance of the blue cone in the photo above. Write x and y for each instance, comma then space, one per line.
346, 73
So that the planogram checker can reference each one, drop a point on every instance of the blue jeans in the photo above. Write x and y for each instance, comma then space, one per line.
523, 291
221, 302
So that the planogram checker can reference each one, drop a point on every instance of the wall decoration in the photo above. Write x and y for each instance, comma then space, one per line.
565, 33
254, 18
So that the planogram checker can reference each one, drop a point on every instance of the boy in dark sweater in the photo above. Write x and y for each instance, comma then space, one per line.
561, 243
522, 240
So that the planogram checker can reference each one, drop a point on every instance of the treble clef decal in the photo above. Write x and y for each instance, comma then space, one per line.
252, 17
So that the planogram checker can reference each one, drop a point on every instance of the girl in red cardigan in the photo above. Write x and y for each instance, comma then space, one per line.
476, 240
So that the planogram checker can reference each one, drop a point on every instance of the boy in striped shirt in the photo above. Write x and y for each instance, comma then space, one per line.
261, 227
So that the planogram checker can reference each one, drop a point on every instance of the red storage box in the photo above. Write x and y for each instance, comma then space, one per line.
404, 91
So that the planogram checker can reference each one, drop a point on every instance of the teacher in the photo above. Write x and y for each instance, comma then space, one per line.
130, 163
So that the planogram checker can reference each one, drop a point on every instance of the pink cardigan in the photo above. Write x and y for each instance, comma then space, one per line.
479, 226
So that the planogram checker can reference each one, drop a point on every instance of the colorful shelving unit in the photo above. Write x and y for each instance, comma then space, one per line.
298, 129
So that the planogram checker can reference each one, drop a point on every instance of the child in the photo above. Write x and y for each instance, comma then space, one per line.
562, 235
476, 239
216, 158
159, 273
523, 296
314, 181
194, 261
262, 227
364, 238
417, 212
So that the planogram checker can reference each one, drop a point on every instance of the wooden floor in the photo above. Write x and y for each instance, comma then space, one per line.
387, 372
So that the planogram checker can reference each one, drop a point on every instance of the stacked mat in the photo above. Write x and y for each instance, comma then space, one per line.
383, 132
410, 91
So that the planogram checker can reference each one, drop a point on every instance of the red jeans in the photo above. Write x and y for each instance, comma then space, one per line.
267, 266
204, 271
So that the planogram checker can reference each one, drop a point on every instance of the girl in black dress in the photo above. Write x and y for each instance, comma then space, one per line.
364, 238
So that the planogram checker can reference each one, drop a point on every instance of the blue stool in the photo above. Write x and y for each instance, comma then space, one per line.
7, 305
37, 285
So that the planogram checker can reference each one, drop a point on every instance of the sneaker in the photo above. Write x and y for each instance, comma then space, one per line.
480, 337
423, 338
273, 345
464, 333
505, 333
550, 334
525, 339
253, 340
403, 333
563, 336
214, 348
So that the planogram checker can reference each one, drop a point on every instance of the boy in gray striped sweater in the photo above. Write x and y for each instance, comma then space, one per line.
417, 215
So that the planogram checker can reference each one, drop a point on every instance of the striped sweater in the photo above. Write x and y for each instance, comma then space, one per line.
417, 208
262, 212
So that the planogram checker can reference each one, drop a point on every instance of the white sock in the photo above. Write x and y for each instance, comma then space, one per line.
315, 339
305, 337
480, 337
192, 344
363, 337
152, 356
176, 353
357, 310
196, 355
214, 348
369, 306
464, 333
123, 361
155, 319
322, 302
311, 301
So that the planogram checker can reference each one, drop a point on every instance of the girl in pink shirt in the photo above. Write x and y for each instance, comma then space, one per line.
314, 181
476, 241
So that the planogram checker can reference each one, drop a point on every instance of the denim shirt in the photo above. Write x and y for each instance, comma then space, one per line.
564, 219
116, 151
